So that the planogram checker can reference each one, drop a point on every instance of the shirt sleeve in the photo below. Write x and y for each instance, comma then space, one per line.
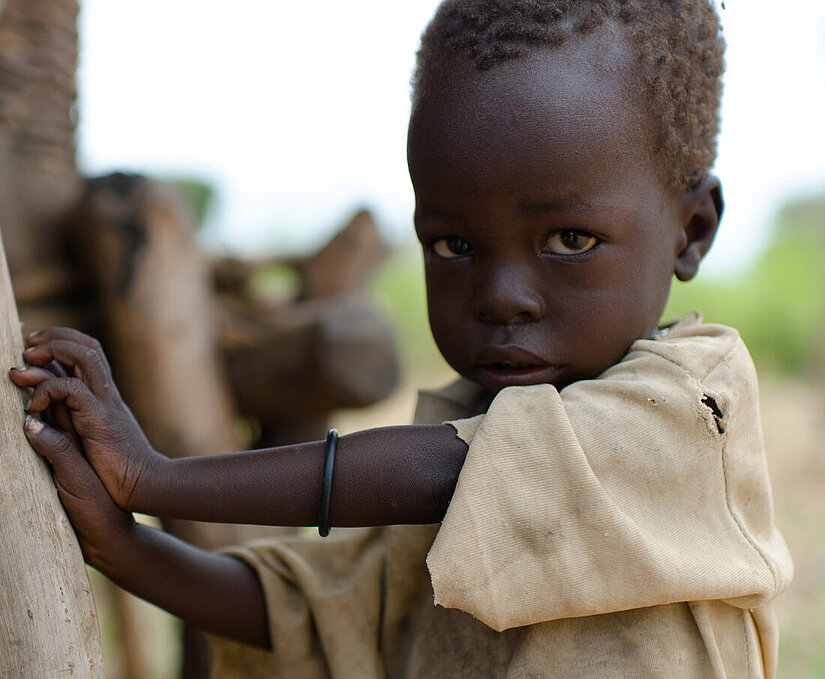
646, 486
323, 600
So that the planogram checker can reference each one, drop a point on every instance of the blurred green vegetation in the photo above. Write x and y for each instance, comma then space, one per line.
399, 290
778, 304
198, 192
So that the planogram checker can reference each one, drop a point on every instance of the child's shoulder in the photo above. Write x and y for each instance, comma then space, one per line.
698, 348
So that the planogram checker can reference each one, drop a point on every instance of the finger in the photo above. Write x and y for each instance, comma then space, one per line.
60, 417
39, 337
88, 362
57, 332
29, 376
68, 390
81, 491
60, 451
57, 414
57, 369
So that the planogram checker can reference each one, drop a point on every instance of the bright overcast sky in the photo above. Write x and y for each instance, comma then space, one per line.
296, 112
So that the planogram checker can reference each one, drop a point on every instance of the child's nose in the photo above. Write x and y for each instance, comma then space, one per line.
506, 296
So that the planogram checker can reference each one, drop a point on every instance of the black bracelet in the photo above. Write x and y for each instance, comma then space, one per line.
326, 485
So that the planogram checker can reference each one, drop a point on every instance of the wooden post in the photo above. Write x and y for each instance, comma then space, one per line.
48, 622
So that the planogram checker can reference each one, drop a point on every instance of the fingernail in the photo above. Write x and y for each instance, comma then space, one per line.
33, 425
32, 335
19, 369
29, 350
28, 405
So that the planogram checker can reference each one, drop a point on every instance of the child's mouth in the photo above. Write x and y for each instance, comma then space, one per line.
513, 365
497, 376
513, 368
500, 367
509, 358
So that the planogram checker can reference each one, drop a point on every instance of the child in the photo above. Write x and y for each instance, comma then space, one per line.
613, 515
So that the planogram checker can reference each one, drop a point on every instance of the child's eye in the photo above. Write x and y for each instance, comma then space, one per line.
569, 242
451, 247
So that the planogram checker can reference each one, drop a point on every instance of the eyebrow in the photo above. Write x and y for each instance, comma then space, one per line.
435, 213
561, 202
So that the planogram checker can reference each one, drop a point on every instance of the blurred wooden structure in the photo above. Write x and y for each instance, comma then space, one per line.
193, 346
39, 181
196, 351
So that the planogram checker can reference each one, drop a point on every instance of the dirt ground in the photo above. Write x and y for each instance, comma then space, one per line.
793, 416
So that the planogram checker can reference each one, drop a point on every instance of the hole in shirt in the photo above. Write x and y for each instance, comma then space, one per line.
718, 415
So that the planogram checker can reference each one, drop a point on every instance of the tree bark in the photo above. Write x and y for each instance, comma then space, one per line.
48, 625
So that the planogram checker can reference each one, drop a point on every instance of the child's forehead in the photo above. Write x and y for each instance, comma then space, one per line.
594, 72
677, 63
582, 98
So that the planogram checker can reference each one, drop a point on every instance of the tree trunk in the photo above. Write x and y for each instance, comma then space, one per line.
48, 625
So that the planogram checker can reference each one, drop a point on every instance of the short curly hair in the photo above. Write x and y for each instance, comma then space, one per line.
678, 46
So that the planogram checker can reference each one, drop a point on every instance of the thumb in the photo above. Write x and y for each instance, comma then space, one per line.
70, 467
93, 514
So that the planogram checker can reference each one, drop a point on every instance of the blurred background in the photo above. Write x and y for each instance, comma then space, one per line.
296, 113
283, 123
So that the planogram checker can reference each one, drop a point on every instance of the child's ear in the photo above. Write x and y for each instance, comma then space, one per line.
702, 208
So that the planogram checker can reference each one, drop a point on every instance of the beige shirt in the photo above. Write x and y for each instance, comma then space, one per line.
620, 528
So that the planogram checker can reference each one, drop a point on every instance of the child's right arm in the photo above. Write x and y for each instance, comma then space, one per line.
382, 476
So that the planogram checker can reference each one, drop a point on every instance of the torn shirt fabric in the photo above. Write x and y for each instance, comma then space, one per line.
622, 527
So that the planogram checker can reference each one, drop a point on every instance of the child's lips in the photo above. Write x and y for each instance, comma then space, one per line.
508, 356
513, 366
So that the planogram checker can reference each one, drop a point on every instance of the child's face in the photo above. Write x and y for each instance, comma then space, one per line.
549, 238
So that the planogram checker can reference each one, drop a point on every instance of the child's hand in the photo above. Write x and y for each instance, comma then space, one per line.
215, 592
110, 437
99, 523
